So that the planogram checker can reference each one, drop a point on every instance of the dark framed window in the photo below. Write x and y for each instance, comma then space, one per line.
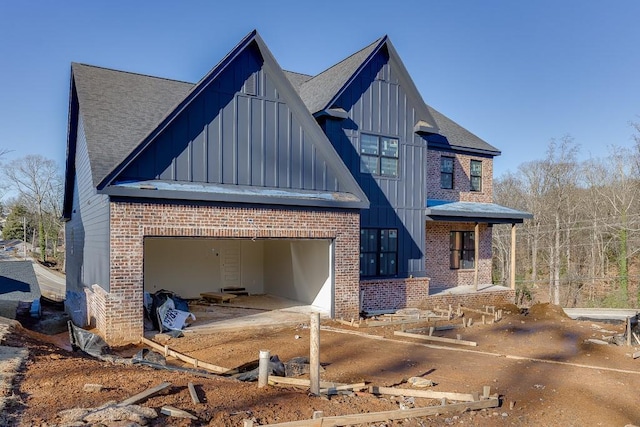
378, 252
379, 155
446, 172
462, 249
476, 175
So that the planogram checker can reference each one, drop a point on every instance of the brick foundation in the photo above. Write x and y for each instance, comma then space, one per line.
130, 222
393, 293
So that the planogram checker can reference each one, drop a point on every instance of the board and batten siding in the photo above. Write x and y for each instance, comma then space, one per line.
377, 104
239, 131
87, 231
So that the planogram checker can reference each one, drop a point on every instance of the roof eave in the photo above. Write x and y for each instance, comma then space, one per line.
460, 148
199, 196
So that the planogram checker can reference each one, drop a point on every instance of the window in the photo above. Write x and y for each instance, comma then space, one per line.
462, 249
378, 252
379, 155
476, 175
446, 172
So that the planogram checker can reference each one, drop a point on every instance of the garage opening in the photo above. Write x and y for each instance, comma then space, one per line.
296, 269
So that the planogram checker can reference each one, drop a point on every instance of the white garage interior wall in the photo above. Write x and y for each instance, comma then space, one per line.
299, 270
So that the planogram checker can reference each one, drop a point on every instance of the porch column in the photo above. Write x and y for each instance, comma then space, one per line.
512, 272
476, 241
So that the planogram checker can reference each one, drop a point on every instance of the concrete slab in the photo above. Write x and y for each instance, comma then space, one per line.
256, 312
469, 289
601, 313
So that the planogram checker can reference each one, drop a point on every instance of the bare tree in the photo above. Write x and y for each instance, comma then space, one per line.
36, 179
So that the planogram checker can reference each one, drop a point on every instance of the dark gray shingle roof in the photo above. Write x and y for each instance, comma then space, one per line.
459, 137
119, 109
318, 91
18, 281
297, 79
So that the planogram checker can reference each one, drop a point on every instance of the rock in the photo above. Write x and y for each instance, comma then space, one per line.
92, 388
135, 413
420, 382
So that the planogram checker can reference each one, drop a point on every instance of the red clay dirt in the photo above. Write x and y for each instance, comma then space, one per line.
538, 362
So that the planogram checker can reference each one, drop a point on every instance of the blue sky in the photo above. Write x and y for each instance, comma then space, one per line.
515, 73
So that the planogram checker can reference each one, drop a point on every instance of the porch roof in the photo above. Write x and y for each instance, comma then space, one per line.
446, 210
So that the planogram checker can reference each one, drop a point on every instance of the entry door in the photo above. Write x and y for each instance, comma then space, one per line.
230, 265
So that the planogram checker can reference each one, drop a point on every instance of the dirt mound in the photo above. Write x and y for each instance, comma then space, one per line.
547, 311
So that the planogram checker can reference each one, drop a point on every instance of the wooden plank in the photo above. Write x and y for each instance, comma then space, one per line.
175, 412
217, 297
398, 414
191, 360
437, 339
429, 394
145, 394
374, 323
192, 392
301, 382
636, 354
343, 387
473, 310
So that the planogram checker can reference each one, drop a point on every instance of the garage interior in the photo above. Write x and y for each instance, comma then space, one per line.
297, 271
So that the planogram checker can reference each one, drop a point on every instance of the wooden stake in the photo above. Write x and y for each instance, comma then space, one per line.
629, 331
486, 391
192, 392
314, 357
263, 368
145, 394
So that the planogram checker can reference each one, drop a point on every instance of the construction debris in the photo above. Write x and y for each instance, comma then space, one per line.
145, 394
175, 412
110, 412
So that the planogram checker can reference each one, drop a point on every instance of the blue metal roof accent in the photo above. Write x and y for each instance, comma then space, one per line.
446, 210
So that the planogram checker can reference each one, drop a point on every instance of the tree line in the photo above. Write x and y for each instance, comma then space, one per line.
581, 248
34, 208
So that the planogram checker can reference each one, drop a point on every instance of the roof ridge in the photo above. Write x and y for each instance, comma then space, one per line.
377, 41
300, 74
131, 73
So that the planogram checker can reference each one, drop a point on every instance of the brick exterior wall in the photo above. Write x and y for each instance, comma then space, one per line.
122, 320
476, 299
393, 293
461, 178
437, 255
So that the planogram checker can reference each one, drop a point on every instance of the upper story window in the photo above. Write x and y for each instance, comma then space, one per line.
476, 175
446, 172
378, 252
379, 155
462, 249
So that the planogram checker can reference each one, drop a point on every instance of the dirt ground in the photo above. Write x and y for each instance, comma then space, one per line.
538, 362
